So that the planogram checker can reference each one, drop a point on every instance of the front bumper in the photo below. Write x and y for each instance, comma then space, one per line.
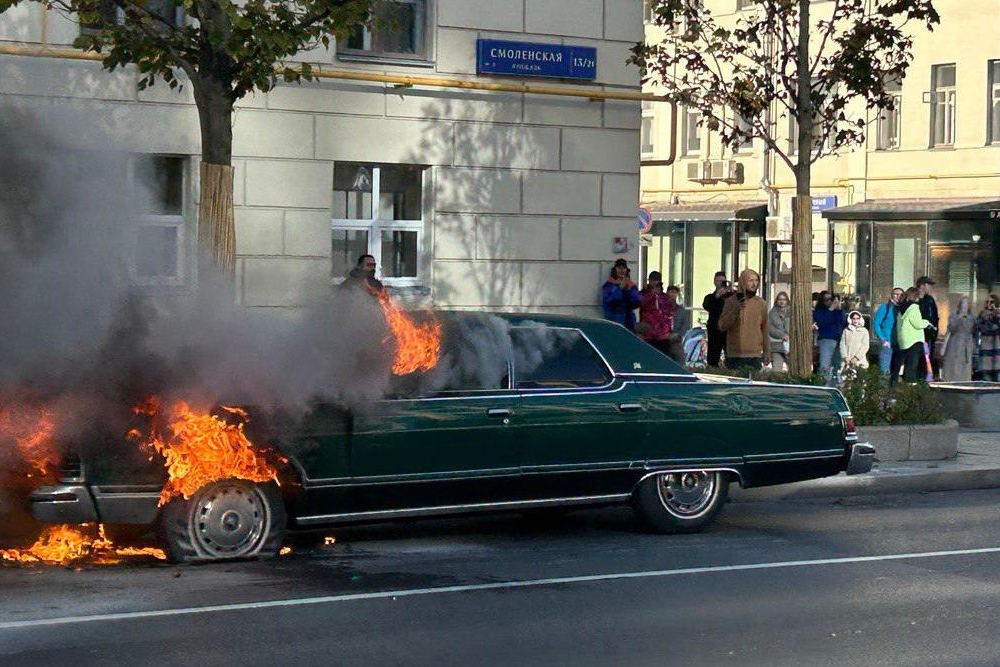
862, 458
68, 503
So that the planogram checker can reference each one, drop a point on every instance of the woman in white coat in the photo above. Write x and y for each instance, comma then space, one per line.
854, 343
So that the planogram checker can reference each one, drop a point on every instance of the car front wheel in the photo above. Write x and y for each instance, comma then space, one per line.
681, 502
230, 518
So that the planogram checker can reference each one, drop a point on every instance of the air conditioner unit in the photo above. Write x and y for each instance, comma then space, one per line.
778, 228
701, 172
717, 169
733, 172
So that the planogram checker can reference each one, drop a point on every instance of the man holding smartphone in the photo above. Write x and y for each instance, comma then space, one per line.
744, 321
713, 304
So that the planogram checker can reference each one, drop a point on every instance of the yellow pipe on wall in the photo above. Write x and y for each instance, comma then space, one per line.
395, 79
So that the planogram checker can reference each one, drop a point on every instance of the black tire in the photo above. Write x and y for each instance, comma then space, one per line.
224, 520
683, 502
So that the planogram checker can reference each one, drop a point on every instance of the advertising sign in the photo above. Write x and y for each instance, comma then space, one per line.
562, 61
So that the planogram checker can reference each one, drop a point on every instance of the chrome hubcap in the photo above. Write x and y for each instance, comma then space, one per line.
687, 494
229, 519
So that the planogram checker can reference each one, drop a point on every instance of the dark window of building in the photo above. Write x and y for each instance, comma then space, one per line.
691, 132
395, 29
889, 119
95, 14
994, 102
546, 358
161, 228
943, 105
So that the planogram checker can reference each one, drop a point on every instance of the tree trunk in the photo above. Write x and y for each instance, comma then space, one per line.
216, 224
800, 347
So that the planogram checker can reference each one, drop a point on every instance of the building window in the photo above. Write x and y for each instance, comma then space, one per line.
378, 210
993, 134
793, 135
745, 128
160, 183
96, 14
691, 134
889, 120
646, 129
395, 29
744, 4
943, 105
647, 11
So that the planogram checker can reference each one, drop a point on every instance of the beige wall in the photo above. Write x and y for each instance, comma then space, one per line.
966, 37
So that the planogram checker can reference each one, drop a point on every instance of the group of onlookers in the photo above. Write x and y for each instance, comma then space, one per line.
662, 321
904, 329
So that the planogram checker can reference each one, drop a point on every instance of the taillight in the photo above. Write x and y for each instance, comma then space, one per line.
849, 428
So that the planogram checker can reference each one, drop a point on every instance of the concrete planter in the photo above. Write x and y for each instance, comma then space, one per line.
973, 404
916, 442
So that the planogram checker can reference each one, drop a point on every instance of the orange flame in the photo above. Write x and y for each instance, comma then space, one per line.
65, 545
202, 449
418, 346
31, 429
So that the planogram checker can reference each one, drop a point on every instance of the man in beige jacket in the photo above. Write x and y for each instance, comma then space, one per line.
744, 321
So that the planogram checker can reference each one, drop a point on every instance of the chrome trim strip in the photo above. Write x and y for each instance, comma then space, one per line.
452, 509
838, 455
793, 456
718, 460
470, 475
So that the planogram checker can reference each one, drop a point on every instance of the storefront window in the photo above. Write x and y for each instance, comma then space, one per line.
961, 253
899, 255
850, 257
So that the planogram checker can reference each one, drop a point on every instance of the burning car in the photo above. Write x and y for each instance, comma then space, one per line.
515, 412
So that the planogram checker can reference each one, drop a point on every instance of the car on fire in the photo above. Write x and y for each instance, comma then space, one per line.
575, 412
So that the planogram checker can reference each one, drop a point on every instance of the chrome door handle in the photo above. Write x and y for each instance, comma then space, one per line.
630, 407
498, 412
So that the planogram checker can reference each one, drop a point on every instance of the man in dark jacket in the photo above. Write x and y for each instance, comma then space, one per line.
929, 311
363, 276
713, 304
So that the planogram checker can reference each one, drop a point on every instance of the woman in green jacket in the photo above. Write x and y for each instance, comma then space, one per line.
910, 333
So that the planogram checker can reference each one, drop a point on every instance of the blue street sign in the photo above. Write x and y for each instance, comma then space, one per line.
823, 203
562, 61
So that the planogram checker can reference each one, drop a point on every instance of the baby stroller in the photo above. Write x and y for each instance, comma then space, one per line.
695, 344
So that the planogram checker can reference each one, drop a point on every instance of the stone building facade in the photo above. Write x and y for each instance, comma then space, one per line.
468, 199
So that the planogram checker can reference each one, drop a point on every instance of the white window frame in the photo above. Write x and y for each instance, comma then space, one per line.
690, 130
738, 121
180, 221
375, 225
647, 129
943, 101
992, 102
366, 53
884, 140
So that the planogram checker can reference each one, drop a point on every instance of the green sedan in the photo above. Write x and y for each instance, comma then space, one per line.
521, 412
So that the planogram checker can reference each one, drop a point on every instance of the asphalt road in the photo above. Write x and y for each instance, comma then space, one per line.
884, 580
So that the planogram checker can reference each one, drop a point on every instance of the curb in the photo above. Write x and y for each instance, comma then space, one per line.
874, 484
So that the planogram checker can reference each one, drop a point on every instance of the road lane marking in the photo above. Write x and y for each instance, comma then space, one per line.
464, 588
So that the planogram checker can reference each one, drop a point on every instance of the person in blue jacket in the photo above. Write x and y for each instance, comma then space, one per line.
829, 320
883, 326
620, 296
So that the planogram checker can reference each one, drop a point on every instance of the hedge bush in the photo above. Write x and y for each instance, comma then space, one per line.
872, 401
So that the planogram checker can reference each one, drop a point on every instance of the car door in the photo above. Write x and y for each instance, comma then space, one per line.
581, 428
446, 438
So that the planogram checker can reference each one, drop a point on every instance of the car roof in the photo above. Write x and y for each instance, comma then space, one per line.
625, 352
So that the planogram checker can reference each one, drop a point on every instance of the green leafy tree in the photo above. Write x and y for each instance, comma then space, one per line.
226, 50
825, 66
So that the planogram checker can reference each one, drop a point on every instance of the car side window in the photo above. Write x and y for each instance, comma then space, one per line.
551, 358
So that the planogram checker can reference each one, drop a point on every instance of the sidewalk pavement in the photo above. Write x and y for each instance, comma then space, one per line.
977, 466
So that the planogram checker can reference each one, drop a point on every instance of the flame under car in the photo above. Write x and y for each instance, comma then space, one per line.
521, 412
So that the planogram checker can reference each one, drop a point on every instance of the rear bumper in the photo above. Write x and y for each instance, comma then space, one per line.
862, 458
68, 503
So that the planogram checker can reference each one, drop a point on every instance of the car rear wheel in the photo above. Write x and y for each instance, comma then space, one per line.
681, 502
231, 518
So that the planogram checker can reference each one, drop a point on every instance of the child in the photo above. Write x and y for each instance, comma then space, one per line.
854, 344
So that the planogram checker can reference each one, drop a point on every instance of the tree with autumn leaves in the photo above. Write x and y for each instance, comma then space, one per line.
225, 50
827, 66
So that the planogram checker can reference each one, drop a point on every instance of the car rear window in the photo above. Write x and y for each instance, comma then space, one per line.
547, 358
